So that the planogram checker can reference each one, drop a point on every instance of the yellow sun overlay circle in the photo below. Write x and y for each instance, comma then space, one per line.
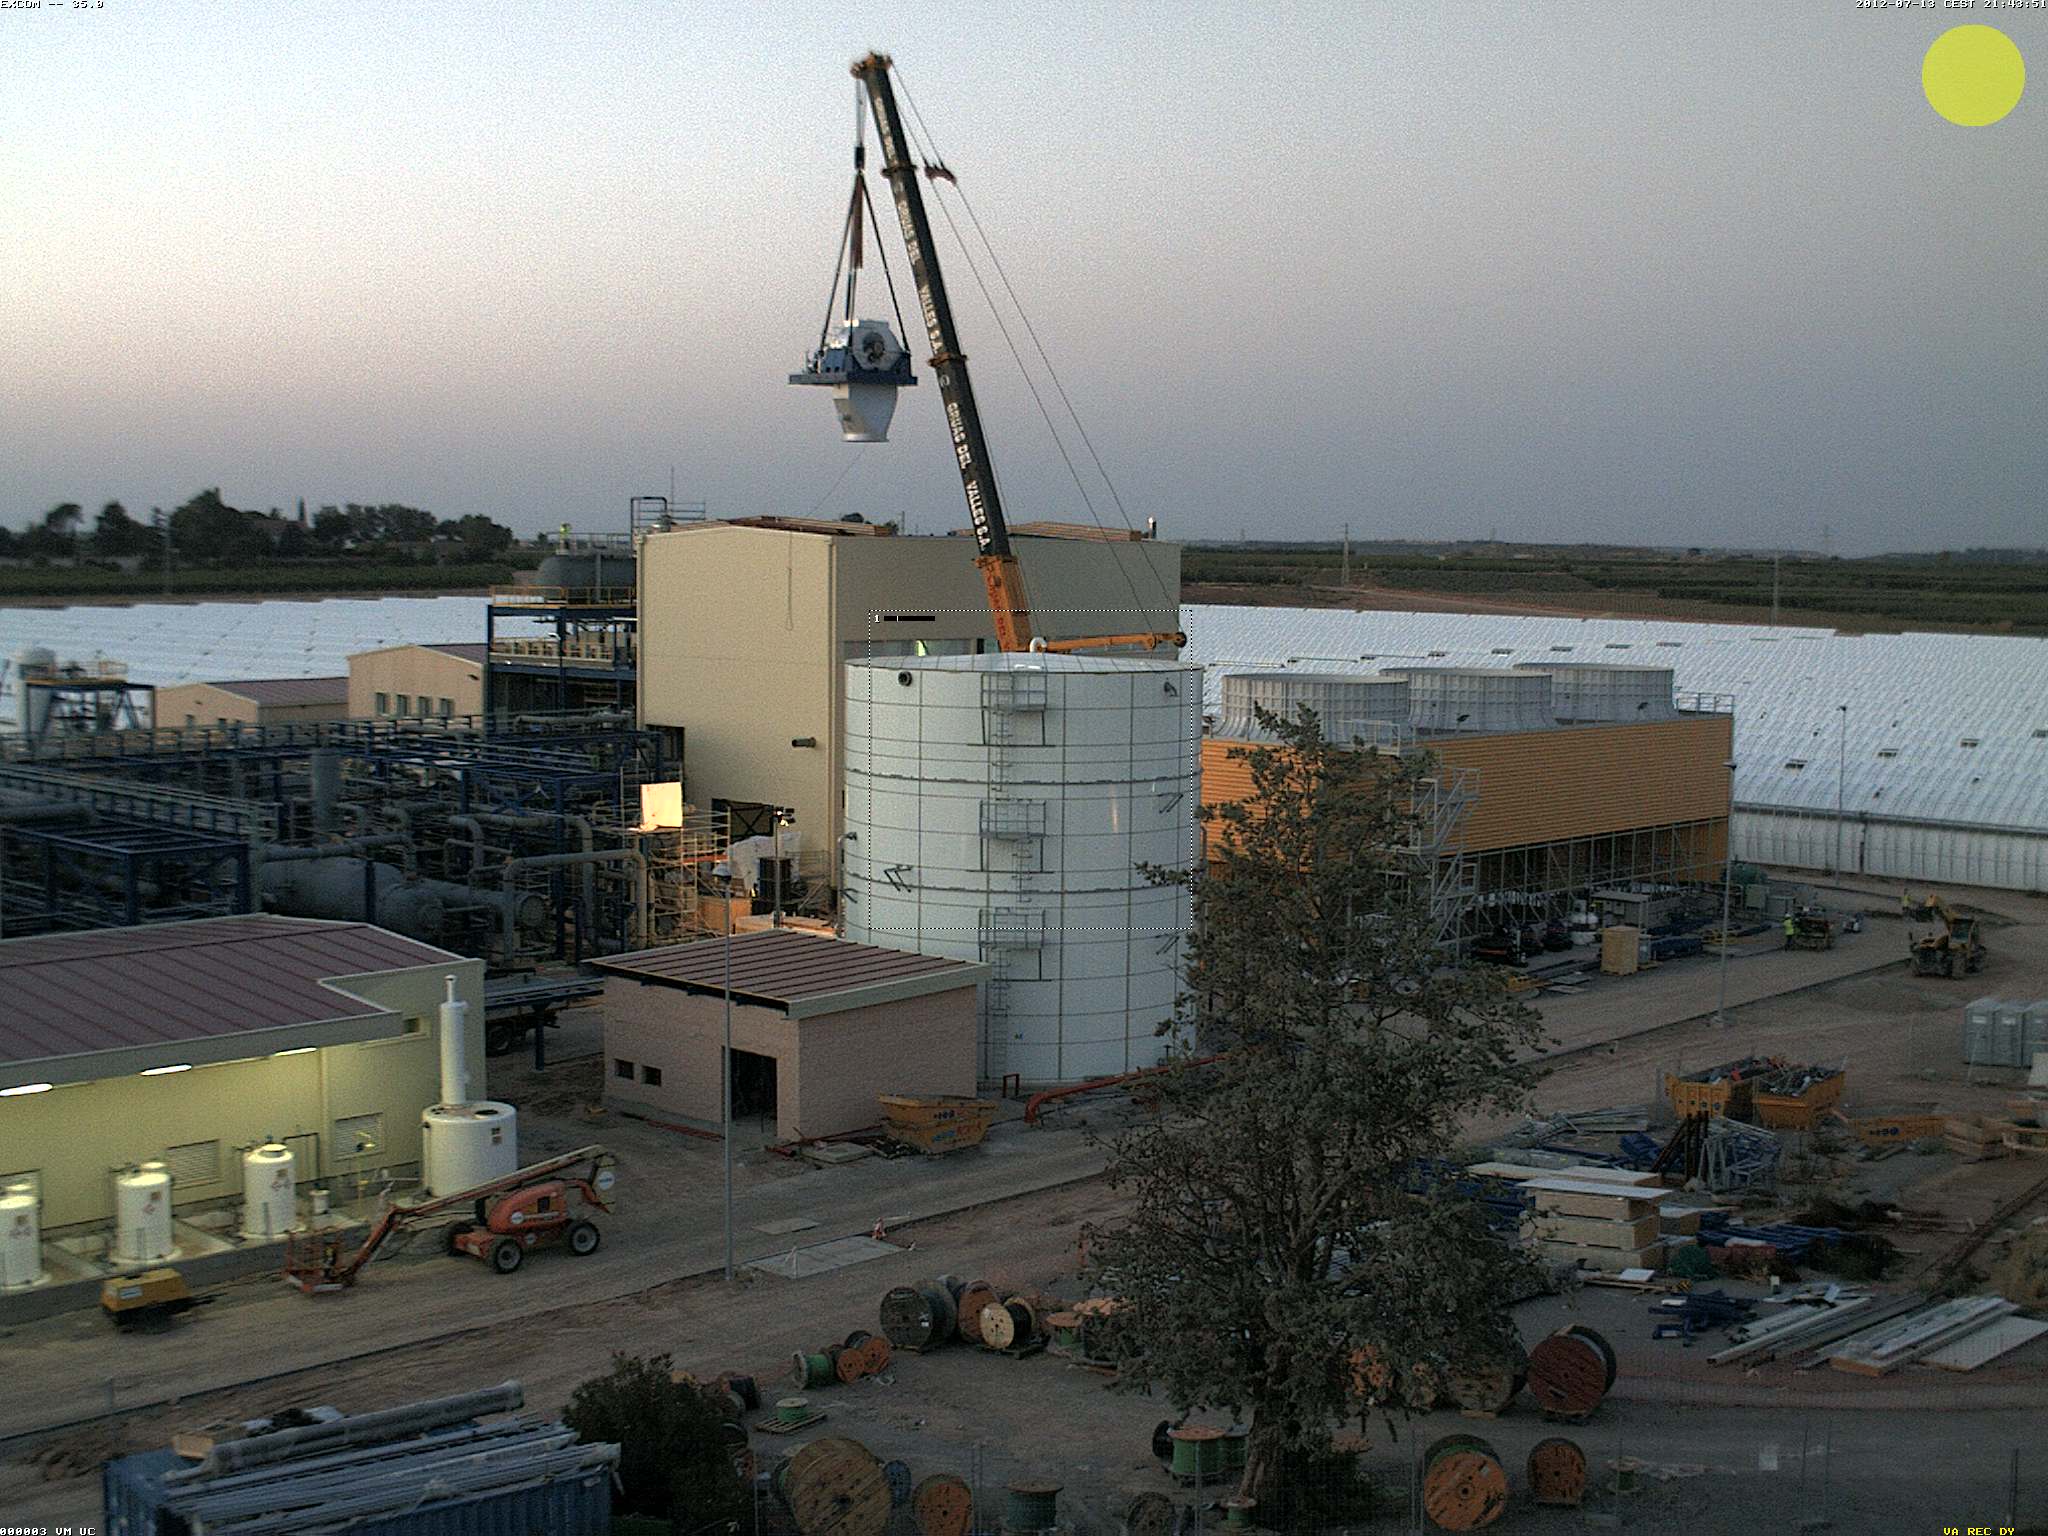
1973, 75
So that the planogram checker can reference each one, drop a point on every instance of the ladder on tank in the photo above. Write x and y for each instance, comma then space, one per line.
1006, 821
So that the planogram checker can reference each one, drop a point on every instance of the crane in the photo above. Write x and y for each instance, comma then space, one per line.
1009, 604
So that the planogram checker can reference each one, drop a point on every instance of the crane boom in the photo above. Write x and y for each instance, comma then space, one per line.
1009, 604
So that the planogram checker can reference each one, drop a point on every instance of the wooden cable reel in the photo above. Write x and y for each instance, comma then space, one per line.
1488, 1383
943, 1505
976, 1295
1464, 1486
1570, 1371
1557, 1472
835, 1487
1149, 1514
878, 1355
852, 1363
919, 1316
1008, 1324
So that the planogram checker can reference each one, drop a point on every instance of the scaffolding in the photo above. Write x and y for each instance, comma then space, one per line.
1541, 882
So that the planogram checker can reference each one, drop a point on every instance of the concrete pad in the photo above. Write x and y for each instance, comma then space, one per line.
820, 1258
786, 1226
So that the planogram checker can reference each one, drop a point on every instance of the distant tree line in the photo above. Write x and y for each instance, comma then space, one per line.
207, 531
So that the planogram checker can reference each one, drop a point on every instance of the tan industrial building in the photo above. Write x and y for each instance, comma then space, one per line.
745, 626
417, 682
820, 1029
1553, 783
189, 1042
253, 701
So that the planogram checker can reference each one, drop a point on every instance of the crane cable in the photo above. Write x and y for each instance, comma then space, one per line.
936, 171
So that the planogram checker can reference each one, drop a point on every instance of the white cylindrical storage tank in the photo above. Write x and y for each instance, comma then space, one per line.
1607, 691
465, 1145
21, 1237
997, 809
270, 1191
1343, 701
1478, 699
142, 1214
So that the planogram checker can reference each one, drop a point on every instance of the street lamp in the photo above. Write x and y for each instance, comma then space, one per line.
783, 818
1727, 888
1841, 785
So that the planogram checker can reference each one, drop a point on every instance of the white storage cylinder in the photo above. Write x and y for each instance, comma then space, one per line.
465, 1145
1607, 691
21, 1237
1496, 699
997, 809
270, 1192
142, 1214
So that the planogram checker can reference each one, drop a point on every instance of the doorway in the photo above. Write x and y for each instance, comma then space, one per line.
753, 1089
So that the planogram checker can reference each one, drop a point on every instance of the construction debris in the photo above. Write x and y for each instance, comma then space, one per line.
1883, 1349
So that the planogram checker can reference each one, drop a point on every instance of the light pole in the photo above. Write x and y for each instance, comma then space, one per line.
1841, 785
1727, 890
782, 819
725, 1070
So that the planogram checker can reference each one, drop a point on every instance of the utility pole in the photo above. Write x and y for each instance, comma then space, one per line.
1727, 885
1841, 785
1347, 555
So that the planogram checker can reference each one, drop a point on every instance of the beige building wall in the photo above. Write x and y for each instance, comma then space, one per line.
829, 1069
744, 631
413, 673
202, 704
75, 1136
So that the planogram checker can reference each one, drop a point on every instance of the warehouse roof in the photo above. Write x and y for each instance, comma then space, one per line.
287, 690
803, 974
194, 991
464, 650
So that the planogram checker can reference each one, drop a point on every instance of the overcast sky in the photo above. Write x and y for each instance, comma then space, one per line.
1660, 274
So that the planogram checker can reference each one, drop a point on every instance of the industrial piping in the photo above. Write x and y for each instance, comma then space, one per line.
561, 860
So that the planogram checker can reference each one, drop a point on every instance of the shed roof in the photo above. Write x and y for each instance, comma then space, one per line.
181, 985
803, 974
288, 690
467, 651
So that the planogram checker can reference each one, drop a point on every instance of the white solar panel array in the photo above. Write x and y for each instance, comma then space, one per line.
165, 643
1940, 757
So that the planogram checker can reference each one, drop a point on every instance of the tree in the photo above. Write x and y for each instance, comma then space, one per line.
62, 520
331, 528
1278, 1257
207, 528
115, 534
481, 538
674, 1461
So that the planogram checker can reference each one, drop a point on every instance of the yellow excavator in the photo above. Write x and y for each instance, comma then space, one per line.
1953, 948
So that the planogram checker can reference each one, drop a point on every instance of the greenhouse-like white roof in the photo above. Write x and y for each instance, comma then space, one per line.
1951, 729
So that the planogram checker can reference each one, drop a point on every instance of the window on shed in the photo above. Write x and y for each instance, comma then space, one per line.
1795, 764
383, 703
622, 1068
1887, 751
405, 703
651, 1076
445, 707
196, 1162
1968, 741
2042, 734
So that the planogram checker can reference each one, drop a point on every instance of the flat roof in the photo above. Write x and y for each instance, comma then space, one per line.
279, 690
803, 974
187, 991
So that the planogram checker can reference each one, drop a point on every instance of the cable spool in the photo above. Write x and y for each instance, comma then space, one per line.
976, 1295
1599, 1342
1162, 1440
1423, 1387
1371, 1382
745, 1388
920, 1316
1464, 1486
1237, 1449
1066, 1332
808, 1372
1008, 1324
897, 1475
1197, 1453
852, 1362
1557, 1472
1488, 1384
834, 1487
1031, 1508
943, 1505
878, 1355
1149, 1514
1237, 1512
791, 1411
952, 1284
1569, 1373
834, 1353
855, 1339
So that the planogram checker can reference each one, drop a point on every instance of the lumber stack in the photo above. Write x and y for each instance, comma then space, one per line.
1604, 1226
1973, 1138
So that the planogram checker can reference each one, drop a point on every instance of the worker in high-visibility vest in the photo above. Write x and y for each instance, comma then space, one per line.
1791, 929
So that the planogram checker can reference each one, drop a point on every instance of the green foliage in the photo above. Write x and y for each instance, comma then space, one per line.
277, 576
1272, 1250
674, 1463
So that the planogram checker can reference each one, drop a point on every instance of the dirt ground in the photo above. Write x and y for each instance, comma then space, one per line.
1763, 1449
